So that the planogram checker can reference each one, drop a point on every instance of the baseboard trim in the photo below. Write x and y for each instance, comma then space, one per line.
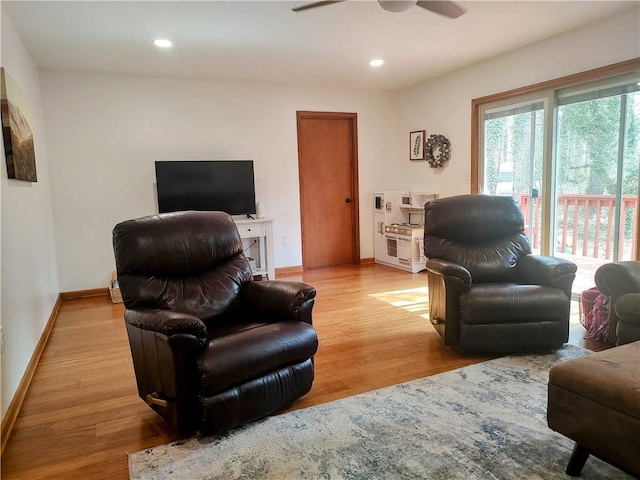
10, 417
93, 292
299, 268
289, 270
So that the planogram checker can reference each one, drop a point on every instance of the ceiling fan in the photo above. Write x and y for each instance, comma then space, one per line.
446, 8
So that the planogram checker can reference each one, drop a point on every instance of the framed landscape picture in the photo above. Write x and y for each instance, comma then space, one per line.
16, 130
416, 145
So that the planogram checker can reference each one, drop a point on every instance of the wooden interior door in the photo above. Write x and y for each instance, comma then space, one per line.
328, 169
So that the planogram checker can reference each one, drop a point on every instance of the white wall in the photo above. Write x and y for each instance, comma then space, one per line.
443, 105
104, 133
29, 270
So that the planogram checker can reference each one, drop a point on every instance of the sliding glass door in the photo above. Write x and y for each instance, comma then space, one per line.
570, 157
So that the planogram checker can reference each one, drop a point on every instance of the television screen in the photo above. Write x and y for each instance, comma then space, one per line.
206, 185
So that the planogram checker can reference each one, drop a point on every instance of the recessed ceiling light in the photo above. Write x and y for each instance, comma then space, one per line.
162, 43
376, 63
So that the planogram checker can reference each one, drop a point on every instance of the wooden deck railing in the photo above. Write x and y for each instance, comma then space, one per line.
585, 224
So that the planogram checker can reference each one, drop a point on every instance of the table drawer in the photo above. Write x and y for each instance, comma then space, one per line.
254, 230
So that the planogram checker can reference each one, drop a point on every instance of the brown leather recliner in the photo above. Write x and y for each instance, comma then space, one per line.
212, 349
486, 291
621, 281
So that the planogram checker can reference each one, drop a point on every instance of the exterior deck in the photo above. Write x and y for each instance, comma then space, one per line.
585, 227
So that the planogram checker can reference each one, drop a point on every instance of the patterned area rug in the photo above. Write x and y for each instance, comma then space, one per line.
486, 422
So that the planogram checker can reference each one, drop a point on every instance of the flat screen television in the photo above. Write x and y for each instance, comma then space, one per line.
225, 185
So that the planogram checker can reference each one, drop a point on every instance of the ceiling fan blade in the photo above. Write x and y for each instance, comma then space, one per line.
448, 9
316, 4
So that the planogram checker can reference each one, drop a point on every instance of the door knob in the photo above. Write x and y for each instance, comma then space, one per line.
348, 200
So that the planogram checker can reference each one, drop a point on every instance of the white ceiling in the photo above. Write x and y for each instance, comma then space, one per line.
266, 41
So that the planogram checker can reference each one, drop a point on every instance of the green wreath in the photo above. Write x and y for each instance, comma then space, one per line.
437, 150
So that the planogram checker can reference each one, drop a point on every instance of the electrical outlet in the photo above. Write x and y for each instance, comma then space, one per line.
285, 240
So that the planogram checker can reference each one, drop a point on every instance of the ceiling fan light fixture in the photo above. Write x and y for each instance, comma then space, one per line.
397, 5
376, 62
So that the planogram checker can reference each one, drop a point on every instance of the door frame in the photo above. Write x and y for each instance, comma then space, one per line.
355, 204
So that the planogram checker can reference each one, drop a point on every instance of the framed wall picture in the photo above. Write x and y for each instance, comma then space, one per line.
16, 130
416, 145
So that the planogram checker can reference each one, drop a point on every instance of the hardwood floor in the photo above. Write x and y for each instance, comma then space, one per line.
82, 413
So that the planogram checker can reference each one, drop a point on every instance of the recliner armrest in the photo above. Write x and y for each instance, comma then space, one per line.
627, 307
167, 322
547, 271
616, 279
285, 300
449, 269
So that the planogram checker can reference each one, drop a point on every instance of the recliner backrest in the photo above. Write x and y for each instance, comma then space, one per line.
190, 262
483, 233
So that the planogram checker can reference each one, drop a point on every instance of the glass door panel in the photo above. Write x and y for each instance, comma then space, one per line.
630, 180
597, 157
513, 157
